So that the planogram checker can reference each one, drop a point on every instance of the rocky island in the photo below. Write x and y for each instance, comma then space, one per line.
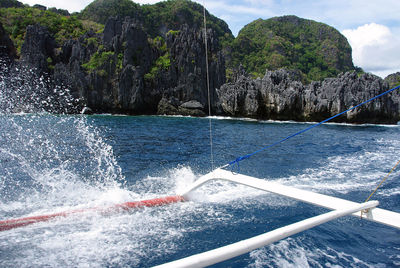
120, 57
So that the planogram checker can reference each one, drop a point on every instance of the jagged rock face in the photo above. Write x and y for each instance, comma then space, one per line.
277, 103
112, 32
281, 96
393, 79
109, 87
117, 82
120, 86
348, 90
187, 75
240, 98
137, 49
276, 96
131, 89
69, 72
7, 48
38, 48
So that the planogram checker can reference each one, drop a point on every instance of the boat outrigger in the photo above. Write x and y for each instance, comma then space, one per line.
340, 207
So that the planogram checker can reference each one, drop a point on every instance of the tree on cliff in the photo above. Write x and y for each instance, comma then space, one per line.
393, 79
172, 14
157, 19
16, 20
314, 48
10, 3
100, 10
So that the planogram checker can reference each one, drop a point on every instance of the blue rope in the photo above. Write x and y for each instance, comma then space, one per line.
240, 158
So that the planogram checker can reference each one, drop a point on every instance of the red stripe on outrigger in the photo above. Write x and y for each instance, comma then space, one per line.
14, 223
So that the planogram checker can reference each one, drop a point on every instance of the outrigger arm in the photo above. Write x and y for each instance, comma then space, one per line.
378, 215
339, 206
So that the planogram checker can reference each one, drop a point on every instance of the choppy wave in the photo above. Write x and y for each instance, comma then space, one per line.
346, 173
247, 119
294, 252
55, 163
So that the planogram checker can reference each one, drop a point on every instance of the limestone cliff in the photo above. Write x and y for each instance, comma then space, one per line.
123, 70
280, 95
7, 49
128, 69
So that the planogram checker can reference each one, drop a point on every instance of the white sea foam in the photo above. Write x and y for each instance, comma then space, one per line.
346, 173
294, 252
96, 240
295, 122
137, 238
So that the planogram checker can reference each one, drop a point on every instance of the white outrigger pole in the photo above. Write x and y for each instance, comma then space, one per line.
340, 207
382, 216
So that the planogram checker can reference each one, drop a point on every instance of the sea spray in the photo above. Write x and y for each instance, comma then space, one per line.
46, 155
22, 90
52, 162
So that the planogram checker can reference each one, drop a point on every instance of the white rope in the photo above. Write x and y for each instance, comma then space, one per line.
208, 87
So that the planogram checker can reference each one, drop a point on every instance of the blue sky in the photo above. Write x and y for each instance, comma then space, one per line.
372, 27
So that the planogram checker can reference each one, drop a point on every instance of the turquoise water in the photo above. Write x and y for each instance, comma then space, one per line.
54, 163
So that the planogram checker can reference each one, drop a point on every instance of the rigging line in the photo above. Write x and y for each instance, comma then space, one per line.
240, 158
208, 88
382, 181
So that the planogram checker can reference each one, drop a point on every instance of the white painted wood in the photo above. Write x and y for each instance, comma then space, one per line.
233, 250
382, 216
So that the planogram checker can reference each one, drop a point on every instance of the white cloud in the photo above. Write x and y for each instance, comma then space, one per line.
260, 2
238, 13
70, 5
230, 8
341, 14
365, 37
375, 48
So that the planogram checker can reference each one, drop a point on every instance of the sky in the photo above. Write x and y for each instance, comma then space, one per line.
372, 27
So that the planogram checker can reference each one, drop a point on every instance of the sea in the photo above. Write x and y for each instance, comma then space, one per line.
53, 163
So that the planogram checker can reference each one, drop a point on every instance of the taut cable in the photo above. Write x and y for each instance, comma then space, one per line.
208, 88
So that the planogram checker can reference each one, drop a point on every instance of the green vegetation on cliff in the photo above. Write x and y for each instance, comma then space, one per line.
170, 15
314, 48
393, 80
10, 3
163, 62
100, 10
16, 20
98, 60
159, 18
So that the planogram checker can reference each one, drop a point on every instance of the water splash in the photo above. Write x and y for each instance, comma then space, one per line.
48, 159
52, 162
22, 90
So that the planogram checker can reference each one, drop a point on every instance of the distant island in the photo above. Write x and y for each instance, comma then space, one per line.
117, 56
